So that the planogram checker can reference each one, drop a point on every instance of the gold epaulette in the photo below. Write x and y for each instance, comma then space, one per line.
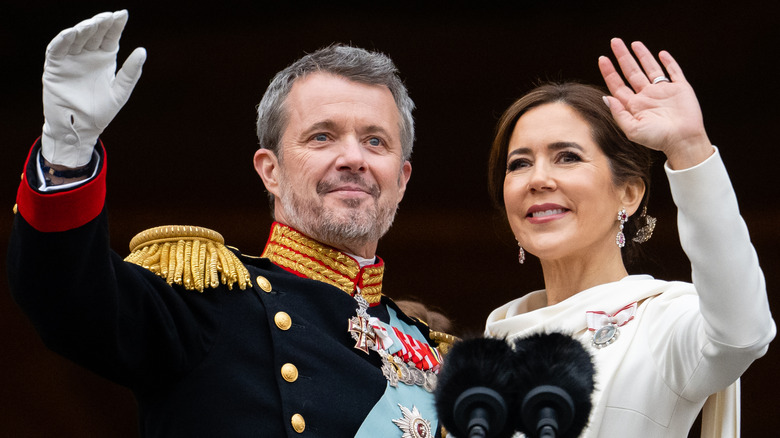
444, 340
193, 257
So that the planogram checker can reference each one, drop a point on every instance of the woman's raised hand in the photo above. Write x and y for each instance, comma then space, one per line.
654, 110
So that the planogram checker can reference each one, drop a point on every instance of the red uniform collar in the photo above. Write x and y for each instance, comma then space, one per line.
291, 250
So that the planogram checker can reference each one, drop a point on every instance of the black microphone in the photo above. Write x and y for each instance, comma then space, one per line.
476, 389
554, 375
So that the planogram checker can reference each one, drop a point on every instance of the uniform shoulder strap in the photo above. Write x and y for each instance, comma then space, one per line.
190, 256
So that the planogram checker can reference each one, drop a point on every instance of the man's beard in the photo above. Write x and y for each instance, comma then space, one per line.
348, 226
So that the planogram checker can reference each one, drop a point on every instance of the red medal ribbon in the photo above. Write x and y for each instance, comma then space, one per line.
415, 351
597, 318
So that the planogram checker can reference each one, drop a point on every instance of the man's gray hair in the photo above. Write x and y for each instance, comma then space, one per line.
352, 63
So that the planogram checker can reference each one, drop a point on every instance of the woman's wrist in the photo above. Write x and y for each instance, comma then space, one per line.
685, 156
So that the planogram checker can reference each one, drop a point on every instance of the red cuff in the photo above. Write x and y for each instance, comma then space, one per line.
65, 210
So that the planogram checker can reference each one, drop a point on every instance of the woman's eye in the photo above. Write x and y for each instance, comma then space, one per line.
569, 157
517, 164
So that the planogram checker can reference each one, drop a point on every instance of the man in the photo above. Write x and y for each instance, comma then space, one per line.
300, 342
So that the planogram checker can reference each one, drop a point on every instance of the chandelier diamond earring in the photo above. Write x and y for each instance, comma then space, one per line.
646, 232
620, 239
521, 254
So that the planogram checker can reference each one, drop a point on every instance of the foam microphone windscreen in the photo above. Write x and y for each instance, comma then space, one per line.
560, 361
477, 363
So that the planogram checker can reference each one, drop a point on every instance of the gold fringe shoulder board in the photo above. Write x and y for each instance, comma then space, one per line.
190, 256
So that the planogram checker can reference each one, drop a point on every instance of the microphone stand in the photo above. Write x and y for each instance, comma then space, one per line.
549, 408
481, 412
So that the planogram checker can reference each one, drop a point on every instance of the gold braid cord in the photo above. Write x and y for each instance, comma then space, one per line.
445, 340
295, 252
193, 257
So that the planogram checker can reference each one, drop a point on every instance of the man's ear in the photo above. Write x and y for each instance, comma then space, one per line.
631, 195
267, 166
403, 178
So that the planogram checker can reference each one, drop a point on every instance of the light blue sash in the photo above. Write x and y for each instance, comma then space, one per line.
379, 422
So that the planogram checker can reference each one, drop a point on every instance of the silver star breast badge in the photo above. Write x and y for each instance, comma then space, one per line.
413, 424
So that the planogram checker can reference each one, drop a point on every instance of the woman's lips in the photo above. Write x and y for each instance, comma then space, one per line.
545, 213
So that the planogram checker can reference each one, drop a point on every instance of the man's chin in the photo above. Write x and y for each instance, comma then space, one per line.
350, 209
351, 225
348, 203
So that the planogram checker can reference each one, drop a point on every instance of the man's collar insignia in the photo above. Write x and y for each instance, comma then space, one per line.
305, 257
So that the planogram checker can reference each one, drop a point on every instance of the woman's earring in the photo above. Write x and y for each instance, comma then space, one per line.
620, 239
521, 254
646, 232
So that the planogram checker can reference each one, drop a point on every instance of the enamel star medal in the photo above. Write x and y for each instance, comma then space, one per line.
413, 424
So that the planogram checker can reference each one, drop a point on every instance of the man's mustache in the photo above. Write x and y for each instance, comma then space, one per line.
350, 179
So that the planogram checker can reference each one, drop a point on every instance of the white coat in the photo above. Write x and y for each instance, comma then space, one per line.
686, 341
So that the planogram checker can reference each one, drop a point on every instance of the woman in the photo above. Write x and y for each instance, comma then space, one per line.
574, 181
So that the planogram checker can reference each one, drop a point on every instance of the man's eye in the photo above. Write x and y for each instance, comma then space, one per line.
373, 141
321, 137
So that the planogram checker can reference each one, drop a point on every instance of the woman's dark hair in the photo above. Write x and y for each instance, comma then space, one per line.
627, 159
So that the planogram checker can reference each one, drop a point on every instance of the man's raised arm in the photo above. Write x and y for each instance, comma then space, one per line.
82, 91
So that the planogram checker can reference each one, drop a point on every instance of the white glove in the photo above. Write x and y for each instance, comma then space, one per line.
81, 95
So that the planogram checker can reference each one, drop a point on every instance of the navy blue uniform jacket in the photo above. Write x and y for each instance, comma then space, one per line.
200, 364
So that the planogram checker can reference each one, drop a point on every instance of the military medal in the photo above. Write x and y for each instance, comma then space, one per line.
605, 326
413, 424
411, 362
362, 332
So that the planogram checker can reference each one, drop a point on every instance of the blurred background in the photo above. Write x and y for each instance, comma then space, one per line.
181, 149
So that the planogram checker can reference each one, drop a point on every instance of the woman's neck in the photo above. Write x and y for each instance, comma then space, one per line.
566, 277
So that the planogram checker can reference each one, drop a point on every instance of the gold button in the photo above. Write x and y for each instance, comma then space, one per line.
298, 423
282, 320
264, 283
289, 372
